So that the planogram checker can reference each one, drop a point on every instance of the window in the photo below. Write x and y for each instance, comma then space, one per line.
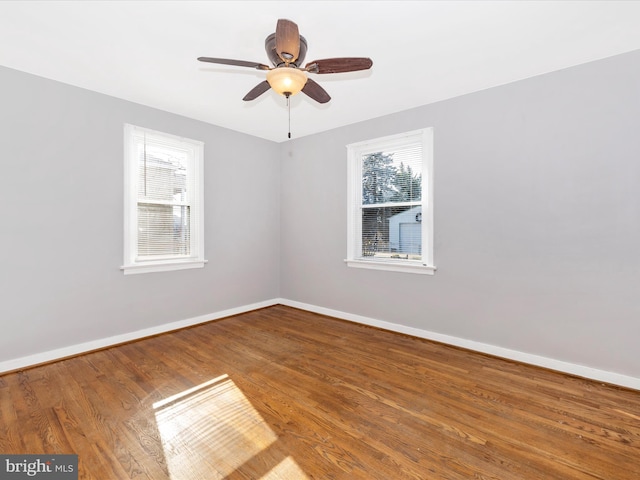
163, 200
390, 203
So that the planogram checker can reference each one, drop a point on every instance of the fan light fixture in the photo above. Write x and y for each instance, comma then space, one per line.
286, 50
286, 80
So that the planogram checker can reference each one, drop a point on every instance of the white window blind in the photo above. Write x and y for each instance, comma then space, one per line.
163, 201
391, 203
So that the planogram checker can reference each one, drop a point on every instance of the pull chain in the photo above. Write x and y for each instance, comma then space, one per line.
289, 109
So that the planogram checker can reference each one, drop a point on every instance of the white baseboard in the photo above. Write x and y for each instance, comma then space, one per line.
558, 365
72, 350
550, 363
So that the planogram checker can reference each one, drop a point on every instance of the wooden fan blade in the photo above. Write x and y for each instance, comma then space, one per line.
237, 63
315, 91
287, 40
257, 91
339, 65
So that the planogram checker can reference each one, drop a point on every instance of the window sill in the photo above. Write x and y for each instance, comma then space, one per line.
417, 268
164, 266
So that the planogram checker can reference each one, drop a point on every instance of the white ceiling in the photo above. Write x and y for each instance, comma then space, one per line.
422, 51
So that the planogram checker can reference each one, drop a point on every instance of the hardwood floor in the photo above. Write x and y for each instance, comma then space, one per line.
282, 393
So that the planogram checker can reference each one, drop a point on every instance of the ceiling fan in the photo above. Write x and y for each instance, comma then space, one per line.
286, 50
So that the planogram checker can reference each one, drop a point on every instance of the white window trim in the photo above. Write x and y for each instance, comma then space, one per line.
354, 198
132, 265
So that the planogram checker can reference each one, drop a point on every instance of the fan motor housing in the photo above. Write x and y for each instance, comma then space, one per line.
270, 47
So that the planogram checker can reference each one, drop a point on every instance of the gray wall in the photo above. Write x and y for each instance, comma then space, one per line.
62, 227
537, 222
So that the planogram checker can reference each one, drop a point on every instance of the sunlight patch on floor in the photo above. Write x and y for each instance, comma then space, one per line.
212, 430
286, 469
